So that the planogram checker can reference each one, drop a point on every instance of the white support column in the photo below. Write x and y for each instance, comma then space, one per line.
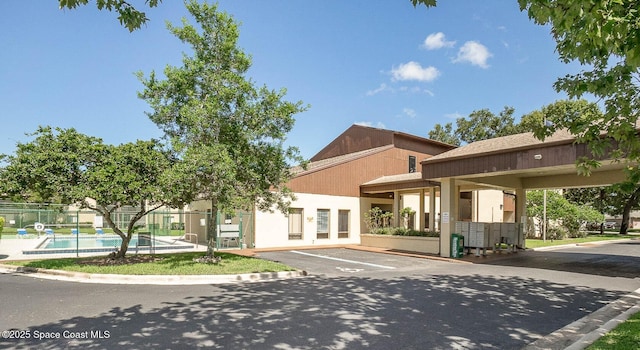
521, 209
449, 196
396, 209
421, 219
432, 209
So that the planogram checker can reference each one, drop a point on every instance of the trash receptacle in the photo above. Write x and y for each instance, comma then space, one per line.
457, 245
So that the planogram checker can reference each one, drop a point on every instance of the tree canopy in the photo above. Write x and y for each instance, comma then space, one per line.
569, 216
130, 17
228, 133
67, 167
479, 125
604, 37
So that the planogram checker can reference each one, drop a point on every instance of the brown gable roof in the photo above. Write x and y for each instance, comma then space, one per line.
501, 144
360, 138
330, 162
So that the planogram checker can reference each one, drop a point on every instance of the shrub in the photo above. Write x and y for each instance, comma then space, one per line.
405, 214
557, 233
376, 219
382, 231
578, 234
401, 231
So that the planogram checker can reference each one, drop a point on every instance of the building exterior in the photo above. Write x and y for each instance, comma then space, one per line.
339, 186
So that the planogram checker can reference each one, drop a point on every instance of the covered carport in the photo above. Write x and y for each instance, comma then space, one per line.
514, 163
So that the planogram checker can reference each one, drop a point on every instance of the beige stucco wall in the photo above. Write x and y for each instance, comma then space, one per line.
272, 229
487, 206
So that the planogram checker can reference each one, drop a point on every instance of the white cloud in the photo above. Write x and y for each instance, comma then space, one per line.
414, 71
378, 125
379, 89
475, 53
409, 112
437, 41
401, 89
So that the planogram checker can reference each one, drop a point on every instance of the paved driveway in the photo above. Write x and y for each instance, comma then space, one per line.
350, 303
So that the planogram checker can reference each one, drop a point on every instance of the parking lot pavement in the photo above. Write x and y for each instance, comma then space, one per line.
353, 262
347, 262
602, 282
614, 266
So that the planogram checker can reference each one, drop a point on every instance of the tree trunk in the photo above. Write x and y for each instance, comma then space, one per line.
212, 231
633, 201
601, 204
124, 247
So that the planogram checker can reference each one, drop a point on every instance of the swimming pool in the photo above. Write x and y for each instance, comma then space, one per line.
96, 244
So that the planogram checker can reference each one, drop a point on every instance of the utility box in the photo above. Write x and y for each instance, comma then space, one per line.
457, 245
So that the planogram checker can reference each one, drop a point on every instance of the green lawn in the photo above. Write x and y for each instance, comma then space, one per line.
625, 336
538, 243
167, 264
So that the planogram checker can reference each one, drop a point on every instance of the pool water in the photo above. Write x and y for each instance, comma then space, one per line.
95, 244
91, 242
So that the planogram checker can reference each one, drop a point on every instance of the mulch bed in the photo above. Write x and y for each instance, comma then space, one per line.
111, 261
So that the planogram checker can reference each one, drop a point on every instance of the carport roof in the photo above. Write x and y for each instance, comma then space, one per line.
501, 144
522, 161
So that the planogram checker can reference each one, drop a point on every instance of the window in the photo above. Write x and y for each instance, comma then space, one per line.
343, 224
295, 223
323, 224
412, 164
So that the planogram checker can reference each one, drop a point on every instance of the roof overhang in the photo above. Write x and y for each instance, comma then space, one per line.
401, 183
521, 161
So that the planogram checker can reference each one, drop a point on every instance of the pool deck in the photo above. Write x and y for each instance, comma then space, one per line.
12, 249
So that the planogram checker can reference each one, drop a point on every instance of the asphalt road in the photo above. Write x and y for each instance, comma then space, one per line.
352, 300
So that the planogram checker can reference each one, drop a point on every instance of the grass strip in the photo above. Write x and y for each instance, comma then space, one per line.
161, 264
625, 336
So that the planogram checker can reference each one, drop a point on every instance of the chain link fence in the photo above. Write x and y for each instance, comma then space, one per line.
26, 220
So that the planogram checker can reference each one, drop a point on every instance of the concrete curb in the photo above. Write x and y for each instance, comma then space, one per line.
583, 332
542, 249
151, 279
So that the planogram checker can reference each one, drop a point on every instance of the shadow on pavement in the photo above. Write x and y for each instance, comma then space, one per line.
601, 264
428, 312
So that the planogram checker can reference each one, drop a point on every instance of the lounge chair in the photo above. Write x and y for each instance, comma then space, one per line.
48, 232
22, 233
99, 233
74, 231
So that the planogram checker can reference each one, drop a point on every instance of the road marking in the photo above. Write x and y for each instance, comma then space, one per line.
348, 269
343, 260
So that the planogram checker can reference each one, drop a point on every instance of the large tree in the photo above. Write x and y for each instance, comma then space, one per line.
556, 208
616, 200
479, 125
444, 134
128, 15
65, 166
228, 133
604, 37
619, 199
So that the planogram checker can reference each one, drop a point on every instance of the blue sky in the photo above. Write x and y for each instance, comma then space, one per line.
379, 63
